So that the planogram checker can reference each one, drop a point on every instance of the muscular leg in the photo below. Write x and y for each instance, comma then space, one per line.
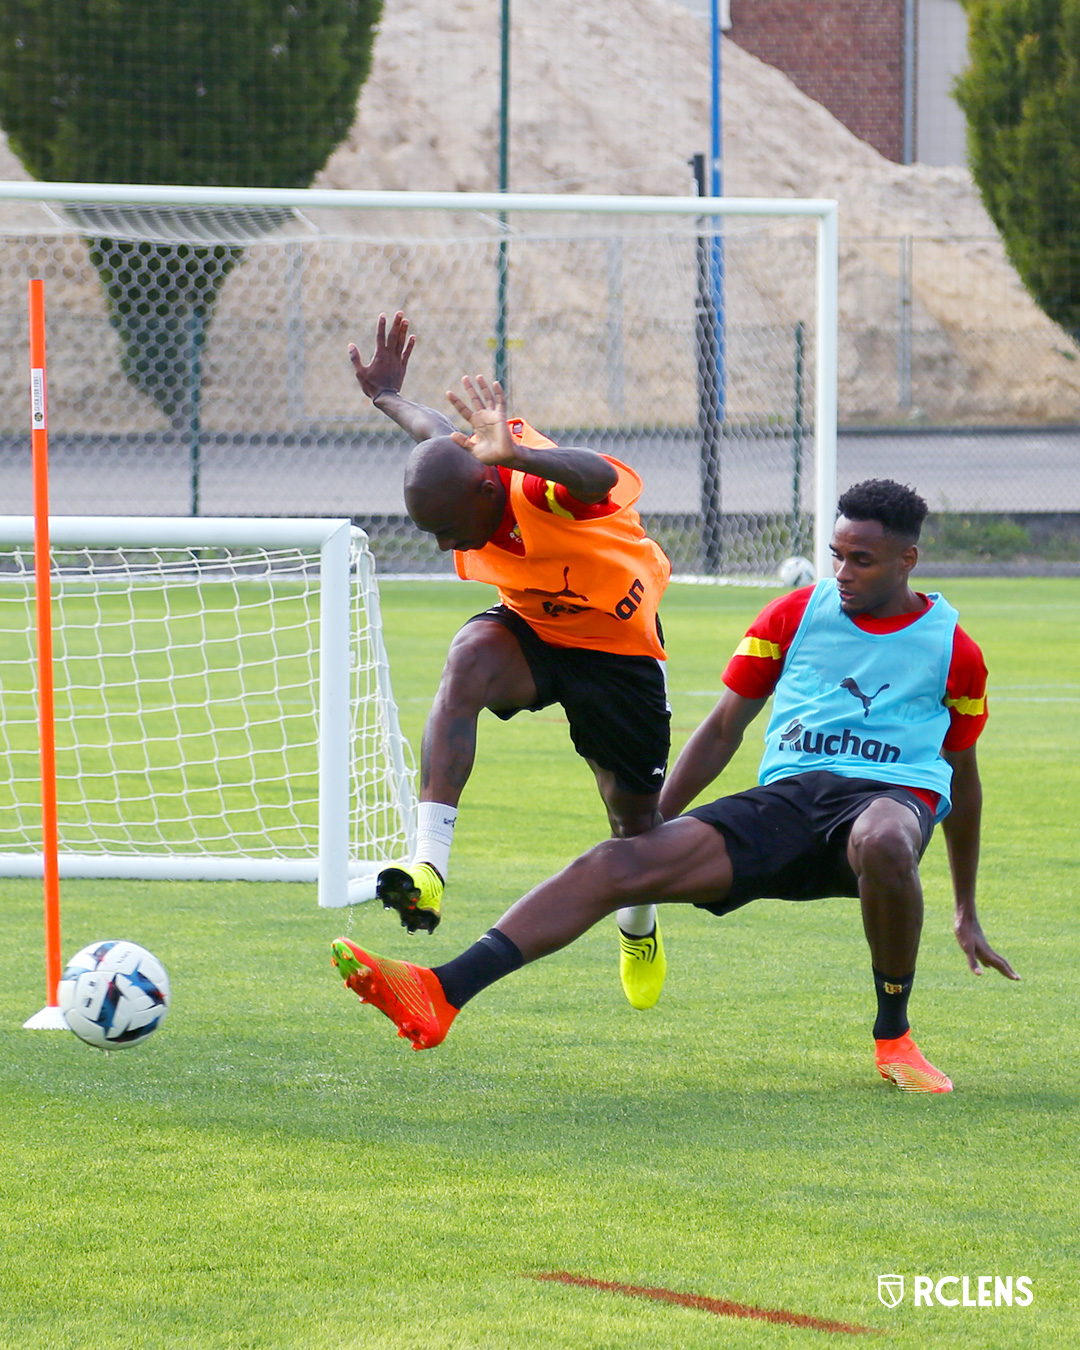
629, 813
883, 850
485, 668
682, 860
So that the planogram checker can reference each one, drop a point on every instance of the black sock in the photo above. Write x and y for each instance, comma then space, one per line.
892, 999
480, 965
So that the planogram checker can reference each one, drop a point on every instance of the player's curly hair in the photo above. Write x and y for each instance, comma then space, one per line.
899, 509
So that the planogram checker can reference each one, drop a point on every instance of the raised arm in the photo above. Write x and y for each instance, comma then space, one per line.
708, 751
961, 828
586, 475
381, 379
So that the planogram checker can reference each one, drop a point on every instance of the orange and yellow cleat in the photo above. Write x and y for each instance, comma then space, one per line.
900, 1061
411, 996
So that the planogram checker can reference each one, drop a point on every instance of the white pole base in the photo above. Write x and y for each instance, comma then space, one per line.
48, 1019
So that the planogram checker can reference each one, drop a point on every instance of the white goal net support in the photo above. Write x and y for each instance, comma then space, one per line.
223, 704
197, 359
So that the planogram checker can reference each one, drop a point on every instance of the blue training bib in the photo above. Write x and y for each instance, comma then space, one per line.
864, 705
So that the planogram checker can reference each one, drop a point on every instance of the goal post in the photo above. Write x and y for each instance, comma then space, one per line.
224, 708
591, 306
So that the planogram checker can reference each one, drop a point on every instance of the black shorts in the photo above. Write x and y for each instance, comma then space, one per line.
788, 841
617, 706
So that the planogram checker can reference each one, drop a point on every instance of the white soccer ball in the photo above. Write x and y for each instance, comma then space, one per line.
114, 994
796, 572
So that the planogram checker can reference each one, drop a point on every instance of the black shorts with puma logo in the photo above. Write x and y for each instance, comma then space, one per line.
617, 706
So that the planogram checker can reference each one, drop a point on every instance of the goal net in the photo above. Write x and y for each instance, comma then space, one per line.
223, 704
197, 352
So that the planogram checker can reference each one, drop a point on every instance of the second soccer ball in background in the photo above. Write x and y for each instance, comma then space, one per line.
796, 572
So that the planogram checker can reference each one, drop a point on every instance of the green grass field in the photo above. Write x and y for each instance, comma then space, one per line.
275, 1169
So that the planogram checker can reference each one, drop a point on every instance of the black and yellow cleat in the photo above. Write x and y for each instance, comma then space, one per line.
415, 892
642, 967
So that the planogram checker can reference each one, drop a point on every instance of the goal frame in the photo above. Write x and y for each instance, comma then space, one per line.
340, 881
824, 212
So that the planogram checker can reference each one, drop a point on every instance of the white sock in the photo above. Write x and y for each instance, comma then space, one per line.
434, 834
637, 920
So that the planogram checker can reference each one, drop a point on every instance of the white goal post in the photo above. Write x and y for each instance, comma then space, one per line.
224, 708
596, 308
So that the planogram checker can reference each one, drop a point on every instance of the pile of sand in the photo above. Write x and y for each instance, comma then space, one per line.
613, 97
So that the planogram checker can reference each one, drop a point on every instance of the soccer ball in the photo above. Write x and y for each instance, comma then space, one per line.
114, 994
796, 572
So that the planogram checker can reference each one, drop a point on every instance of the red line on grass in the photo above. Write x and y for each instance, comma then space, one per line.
720, 1307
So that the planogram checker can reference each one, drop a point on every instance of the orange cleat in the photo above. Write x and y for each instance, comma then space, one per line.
411, 996
900, 1061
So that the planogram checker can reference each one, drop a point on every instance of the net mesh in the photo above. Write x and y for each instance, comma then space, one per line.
197, 361
187, 706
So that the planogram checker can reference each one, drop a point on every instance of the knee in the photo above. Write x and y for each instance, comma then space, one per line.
884, 847
466, 675
628, 824
616, 865
629, 813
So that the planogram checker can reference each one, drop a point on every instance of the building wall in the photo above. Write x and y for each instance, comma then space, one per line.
849, 56
942, 55
845, 54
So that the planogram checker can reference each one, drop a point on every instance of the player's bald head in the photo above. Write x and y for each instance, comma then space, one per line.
440, 471
450, 494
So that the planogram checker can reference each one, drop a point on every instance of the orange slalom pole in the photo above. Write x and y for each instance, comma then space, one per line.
39, 443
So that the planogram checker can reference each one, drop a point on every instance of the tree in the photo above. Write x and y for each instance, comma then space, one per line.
1021, 96
250, 93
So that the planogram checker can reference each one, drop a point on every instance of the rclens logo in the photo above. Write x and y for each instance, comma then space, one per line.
959, 1291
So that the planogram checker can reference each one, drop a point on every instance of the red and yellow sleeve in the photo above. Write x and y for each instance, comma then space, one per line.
965, 693
558, 500
544, 494
758, 660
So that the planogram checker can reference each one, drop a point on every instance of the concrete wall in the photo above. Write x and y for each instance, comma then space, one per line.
942, 55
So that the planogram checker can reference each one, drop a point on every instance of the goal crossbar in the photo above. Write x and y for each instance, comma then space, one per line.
823, 212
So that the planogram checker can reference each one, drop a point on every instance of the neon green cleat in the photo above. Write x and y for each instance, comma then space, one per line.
642, 967
415, 892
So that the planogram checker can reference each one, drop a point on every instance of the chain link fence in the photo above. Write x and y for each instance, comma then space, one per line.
231, 393
938, 331
687, 355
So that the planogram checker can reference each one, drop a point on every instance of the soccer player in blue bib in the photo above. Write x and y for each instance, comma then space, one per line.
878, 700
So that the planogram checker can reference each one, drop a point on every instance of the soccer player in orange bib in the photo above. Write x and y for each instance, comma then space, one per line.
579, 581
878, 701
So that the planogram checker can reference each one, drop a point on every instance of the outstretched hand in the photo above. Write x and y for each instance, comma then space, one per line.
978, 951
386, 369
491, 442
